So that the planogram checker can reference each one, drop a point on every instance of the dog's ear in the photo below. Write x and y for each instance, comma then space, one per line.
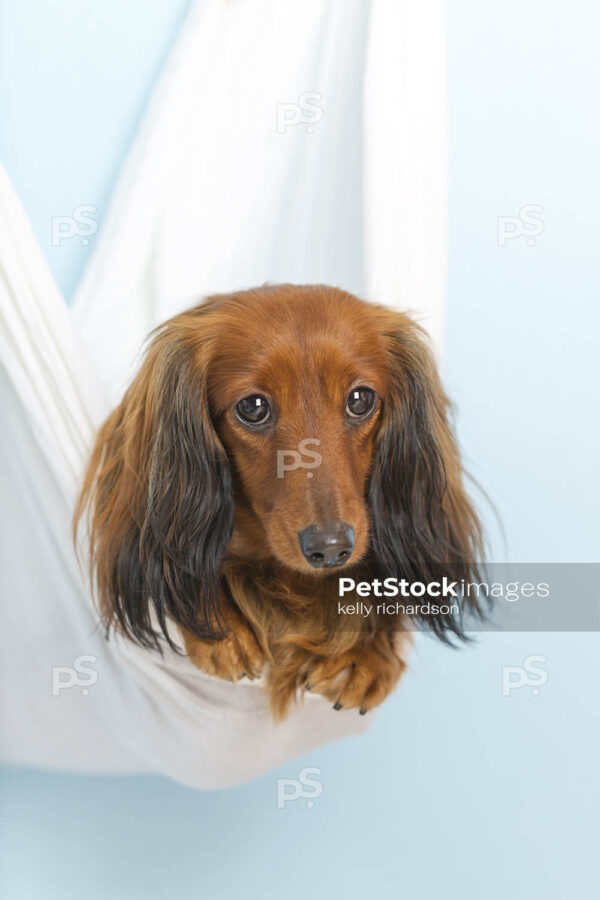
423, 524
158, 494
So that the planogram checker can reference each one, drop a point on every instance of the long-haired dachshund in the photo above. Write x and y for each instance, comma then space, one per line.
273, 440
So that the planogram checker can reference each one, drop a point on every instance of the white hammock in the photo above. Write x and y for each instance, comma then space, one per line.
286, 142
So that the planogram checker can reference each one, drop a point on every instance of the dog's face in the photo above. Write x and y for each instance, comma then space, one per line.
297, 425
297, 385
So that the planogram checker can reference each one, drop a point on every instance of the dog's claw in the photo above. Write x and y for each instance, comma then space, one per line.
362, 711
338, 705
308, 687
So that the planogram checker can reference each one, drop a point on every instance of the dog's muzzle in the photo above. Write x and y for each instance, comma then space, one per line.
324, 548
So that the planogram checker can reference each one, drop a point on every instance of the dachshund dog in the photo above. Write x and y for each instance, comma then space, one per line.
197, 517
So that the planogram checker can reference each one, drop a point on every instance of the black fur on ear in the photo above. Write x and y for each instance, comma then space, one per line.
422, 521
158, 495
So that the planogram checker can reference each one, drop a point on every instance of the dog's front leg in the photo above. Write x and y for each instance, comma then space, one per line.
362, 677
235, 656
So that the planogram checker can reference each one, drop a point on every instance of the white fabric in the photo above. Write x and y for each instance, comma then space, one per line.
220, 191
405, 212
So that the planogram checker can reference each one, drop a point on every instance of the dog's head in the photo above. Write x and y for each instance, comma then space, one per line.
297, 424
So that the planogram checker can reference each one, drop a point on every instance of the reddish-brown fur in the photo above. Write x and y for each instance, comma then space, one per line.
189, 519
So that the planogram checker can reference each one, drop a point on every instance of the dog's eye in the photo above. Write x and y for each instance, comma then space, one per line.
361, 401
253, 410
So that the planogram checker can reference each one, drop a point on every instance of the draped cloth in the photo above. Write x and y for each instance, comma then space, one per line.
284, 142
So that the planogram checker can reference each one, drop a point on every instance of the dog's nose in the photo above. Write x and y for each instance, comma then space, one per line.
327, 547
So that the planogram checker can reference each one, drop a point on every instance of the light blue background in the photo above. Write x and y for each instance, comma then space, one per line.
456, 792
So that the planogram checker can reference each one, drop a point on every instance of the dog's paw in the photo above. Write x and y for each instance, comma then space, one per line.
235, 656
359, 679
